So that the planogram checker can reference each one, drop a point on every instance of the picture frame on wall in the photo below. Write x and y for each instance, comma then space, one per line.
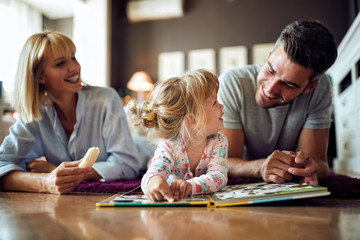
202, 58
232, 57
260, 51
170, 64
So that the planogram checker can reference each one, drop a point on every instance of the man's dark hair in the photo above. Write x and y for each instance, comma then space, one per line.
310, 44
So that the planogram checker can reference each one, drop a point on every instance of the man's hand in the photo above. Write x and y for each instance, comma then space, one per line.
158, 189
282, 166
308, 173
275, 167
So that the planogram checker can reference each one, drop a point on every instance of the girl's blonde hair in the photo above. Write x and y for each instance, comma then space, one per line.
174, 102
29, 94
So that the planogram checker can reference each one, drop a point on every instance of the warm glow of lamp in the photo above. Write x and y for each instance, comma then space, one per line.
140, 82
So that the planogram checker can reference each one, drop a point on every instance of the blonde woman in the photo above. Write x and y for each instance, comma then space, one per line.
192, 158
60, 119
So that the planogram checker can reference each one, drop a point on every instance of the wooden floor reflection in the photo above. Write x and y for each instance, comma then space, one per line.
75, 216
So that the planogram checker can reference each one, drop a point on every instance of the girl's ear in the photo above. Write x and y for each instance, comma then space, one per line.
189, 119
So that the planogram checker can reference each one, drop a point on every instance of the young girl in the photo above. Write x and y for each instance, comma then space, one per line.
192, 158
60, 119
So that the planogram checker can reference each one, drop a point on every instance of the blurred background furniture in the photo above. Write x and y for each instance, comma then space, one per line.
345, 75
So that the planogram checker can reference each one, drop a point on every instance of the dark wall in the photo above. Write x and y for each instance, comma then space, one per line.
213, 24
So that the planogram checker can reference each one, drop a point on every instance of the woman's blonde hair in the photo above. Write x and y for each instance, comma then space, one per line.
173, 102
29, 94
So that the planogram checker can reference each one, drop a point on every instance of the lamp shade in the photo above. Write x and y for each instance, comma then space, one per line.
140, 82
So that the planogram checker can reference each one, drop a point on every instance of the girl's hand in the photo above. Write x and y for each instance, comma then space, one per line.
158, 189
64, 178
180, 188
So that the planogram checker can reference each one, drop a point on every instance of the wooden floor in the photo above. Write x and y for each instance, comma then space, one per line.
75, 216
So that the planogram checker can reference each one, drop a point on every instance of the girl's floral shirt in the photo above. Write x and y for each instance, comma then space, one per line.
171, 162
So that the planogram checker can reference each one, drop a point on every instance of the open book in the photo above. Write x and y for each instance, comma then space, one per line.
231, 195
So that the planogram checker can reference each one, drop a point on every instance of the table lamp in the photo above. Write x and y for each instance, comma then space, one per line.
140, 82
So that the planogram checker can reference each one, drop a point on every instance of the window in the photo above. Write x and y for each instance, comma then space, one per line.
345, 82
357, 70
18, 22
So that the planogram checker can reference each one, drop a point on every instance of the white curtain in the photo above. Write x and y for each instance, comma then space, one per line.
18, 21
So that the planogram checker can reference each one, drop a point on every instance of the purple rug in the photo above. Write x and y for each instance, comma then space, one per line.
340, 186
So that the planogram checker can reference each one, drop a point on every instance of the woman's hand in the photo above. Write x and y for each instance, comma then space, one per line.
158, 189
64, 178
40, 165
